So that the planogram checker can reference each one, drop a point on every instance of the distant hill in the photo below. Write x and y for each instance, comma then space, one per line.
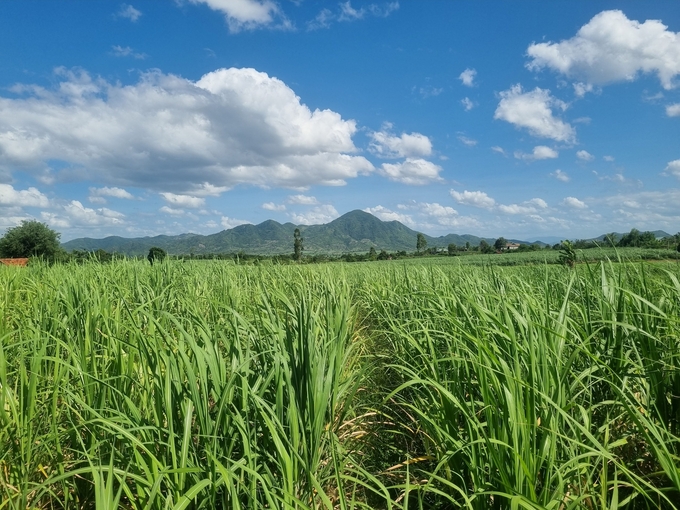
354, 232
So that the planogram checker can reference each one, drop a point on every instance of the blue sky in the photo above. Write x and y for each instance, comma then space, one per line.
518, 119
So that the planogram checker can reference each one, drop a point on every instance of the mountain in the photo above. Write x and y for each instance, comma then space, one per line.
357, 231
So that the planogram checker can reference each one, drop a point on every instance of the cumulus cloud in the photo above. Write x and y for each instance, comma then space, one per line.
574, 203
673, 110
585, 156
413, 171
673, 168
302, 200
233, 126
560, 175
529, 207
499, 150
228, 222
271, 206
75, 214
609, 159
385, 144
610, 48
539, 152
533, 111
113, 192
468, 77
316, 216
183, 200
473, 198
467, 103
386, 214
129, 12
248, 14
31, 197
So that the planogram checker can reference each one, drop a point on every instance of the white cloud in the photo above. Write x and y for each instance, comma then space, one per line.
233, 126
539, 152
560, 175
533, 110
322, 20
473, 198
228, 222
611, 48
129, 12
316, 216
413, 171
426, 92
574, 203
673, 110
387, 145
346, 12
467, 141
302, 200
120, 51
248, 14
113, 192
172, 212
467, 103
527, 208
183, 200
349, 13
609, 159
673, 168
30, 197
271, 206
581, 89
499, 150
585, 156
386, 214
75, 214
468, 77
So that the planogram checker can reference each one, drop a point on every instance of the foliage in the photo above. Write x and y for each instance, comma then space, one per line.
30, 239
156, 254
485, 247
426, 384
567, 254
421, 242
500, 243
297, 245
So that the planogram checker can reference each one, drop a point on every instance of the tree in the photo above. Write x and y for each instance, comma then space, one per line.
484, 247
421, 242
372, 254
500, 244
156, 253
452, 249
30, 239
297, 245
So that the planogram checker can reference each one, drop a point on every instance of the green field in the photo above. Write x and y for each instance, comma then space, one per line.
427, 383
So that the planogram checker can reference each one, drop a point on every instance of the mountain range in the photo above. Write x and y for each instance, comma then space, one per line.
354, 232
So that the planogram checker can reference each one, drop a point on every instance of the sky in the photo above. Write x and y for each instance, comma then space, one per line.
526, 120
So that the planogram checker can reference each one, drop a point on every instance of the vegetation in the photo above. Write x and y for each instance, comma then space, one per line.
297, 246
30, 239
427, 384
156, 255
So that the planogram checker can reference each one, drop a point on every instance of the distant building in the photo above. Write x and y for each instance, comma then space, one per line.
14, 262
511, 246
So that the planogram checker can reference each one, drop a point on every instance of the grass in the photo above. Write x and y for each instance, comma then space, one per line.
376, 385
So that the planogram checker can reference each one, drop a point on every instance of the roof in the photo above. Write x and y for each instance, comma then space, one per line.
14, 262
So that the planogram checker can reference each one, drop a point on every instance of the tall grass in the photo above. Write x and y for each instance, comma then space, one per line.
210, 385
